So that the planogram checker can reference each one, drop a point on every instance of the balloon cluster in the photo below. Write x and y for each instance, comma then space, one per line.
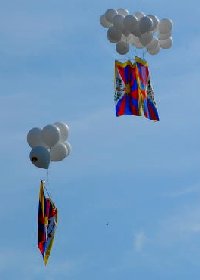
48, 144
139, 30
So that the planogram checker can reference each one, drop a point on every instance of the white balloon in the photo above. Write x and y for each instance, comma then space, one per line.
40, 157
125, 32
104, 22
130, 23
145, 24
34, 137
153, 44
122, 47
69, 148
139, 15
154, 50
166, 44
109, 14
123, 12
165, 25
50, 135
58, 152
114, 35
64, 130
146, 38
155, 20
129, 39
137, 43
164, 36
125, 38
118, 22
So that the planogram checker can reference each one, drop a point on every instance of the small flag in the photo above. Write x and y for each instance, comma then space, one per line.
47, 223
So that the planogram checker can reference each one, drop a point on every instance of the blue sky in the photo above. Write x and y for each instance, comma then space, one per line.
141, 177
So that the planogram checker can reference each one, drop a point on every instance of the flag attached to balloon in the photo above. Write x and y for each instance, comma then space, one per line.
47, 223
134, 93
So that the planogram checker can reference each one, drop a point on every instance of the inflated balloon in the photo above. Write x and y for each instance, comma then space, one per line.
125, 32
122, 47
130, 23
154, 50
153, 44
164, 36
64, 130
165, 25
69, 148
166, 44
146, 38
137, 43
114, 35
109, 14
58, 152
40, 157
50, 135
138, 30
123, 12
118, 22
155, 20
139, 15
104, 22
145, 24
34, 137
129, 39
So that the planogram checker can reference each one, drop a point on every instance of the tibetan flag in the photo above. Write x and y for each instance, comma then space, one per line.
126, 89
133, 91
146, 89
47, 223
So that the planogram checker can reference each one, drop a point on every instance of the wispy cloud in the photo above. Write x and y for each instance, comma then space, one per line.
140, 240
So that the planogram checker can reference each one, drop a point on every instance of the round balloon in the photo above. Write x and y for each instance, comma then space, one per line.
64, 130
123, 12
109, 15
154, 50
166, 44
34, 137
40, 157
164, 36
155, 20
118, 22
137, 43
139, 15
58, 152
153, 44
165, 25
114, 35
146, 38
50, 135
145, 24
104, 22
130, 23
69, 148
122, 47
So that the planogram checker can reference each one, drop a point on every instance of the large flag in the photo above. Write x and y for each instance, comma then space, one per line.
134, 94
47, 223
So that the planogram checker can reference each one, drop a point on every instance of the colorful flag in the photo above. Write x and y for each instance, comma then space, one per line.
47, 223
133, 91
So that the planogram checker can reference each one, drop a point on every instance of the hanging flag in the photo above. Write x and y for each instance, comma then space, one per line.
47, 223
133, 91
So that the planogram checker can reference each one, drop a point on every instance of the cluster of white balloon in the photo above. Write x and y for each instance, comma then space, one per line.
139, 30
48, 144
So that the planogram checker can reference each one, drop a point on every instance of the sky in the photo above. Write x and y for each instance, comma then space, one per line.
140, 177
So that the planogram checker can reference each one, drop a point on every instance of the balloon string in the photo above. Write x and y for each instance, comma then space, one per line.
47, 177
47, 183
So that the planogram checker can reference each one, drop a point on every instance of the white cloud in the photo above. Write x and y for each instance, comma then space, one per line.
140, 240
